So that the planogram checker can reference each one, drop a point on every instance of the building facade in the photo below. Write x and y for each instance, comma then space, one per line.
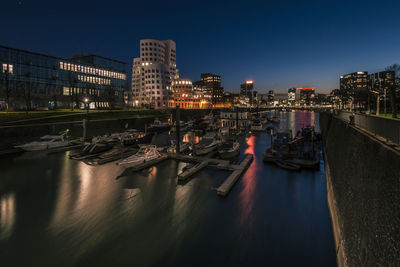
246, 91
291, 96
30, 80
235, 120
354, 81
270, 97
210, 84
153, 72
307, 96
185, 97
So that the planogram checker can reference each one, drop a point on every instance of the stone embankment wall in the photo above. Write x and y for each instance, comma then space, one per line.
363, 181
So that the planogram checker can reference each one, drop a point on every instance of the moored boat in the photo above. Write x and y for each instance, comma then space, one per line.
208, 143
47, 142
229, 149
145, 153
256, 126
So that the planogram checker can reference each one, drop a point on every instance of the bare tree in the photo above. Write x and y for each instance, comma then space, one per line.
110, 95
6, 91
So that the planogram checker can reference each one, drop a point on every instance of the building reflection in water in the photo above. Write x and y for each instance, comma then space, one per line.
7, 215
84, 205
250, 182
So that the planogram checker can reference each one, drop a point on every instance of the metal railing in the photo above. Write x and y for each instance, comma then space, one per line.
386, 128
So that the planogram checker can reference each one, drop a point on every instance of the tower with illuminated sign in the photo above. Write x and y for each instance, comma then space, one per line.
307, 96
153, 72
246, 91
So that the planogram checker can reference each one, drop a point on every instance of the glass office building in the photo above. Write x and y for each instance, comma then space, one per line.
37, 81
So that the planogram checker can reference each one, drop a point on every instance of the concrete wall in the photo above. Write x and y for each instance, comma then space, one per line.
363, 182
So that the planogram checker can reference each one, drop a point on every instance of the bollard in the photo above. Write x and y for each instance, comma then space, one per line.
351, 119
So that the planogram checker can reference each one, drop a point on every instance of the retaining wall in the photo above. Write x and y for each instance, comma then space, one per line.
363, 182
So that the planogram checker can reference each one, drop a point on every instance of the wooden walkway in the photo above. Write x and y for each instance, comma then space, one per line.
226, 187
202, 162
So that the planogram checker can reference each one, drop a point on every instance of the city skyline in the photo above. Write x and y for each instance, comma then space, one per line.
277, 46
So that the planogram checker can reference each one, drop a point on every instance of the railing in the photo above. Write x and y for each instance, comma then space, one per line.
386, 128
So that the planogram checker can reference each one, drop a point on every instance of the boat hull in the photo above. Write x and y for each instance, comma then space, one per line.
205, 150
228, 154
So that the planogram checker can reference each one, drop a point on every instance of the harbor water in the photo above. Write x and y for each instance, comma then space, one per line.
55, 211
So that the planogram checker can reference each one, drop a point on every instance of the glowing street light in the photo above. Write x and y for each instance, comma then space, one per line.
86, 100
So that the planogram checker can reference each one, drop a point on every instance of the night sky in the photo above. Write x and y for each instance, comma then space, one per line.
278, 44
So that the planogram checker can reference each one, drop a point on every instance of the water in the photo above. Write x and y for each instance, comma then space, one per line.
57, 211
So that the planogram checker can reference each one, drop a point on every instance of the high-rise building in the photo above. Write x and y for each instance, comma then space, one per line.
37, 81
382, 81
307, 96
291, 96
246, 91
210, 84
153, 72
270, 96
354, 81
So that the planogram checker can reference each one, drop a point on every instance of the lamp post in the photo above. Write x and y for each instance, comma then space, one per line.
86, 100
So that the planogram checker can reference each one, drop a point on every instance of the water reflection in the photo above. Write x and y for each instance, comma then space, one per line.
7, 215
249, 184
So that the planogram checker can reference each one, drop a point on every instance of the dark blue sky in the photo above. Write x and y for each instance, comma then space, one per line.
278, 44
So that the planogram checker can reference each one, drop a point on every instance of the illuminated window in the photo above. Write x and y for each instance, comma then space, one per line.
66, 90
8, 68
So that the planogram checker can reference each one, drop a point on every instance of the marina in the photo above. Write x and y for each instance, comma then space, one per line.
166, 202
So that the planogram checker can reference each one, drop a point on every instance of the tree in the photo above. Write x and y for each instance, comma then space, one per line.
394, 87
5, 85
110, 95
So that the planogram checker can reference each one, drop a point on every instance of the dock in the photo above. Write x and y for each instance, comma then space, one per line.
201, 163
186, 174
226, 187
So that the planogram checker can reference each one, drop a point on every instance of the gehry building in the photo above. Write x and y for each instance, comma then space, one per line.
153, 72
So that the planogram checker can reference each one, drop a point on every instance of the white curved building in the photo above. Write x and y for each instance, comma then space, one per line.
153, 72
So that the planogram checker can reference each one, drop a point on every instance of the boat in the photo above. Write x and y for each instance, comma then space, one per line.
158, 126
229, 149
287, 165
183, 147
96, 147
256, 126
183, 127
116, 153
47, 142
208, 143
145, 153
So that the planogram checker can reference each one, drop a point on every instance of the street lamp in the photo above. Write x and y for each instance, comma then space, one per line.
86, 100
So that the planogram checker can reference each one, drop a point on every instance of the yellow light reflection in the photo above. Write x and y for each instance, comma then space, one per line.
7, 215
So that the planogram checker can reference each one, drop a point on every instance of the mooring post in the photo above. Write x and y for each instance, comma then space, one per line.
84, 124
178, 128
237, 119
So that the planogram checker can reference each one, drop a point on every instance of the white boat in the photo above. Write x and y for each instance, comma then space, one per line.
256, 125
145, 153
208, 143
47, 142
